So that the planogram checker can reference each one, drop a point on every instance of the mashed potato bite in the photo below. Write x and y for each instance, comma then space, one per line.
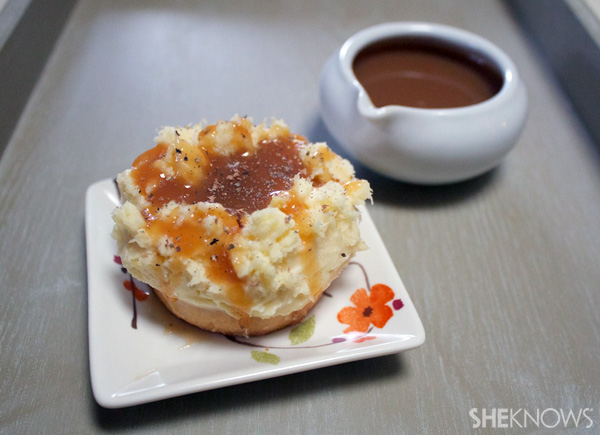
239, 228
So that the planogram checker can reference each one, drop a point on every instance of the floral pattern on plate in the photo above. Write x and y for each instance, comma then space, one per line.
152, 355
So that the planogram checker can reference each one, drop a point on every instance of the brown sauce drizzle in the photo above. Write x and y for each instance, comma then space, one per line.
189, 239
242, 183
299, 212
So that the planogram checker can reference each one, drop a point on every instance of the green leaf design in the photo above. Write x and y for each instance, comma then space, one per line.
302, 332
265, 357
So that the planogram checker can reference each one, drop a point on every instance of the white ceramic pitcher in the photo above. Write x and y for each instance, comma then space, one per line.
427, 146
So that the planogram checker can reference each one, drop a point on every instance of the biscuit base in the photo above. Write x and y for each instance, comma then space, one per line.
216, 320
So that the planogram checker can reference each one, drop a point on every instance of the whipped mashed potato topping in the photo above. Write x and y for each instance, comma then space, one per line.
248, 219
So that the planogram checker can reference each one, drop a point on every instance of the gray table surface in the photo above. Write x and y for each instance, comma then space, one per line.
504, 270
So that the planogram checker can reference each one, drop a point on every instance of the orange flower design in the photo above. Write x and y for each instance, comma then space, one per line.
370, 309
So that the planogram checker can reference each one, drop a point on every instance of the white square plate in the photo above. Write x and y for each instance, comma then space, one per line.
164, 357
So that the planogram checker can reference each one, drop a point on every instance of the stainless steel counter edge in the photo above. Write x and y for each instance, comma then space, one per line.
28, 32
567, 33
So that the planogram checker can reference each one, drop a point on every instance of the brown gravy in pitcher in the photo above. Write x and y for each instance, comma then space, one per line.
419, 73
